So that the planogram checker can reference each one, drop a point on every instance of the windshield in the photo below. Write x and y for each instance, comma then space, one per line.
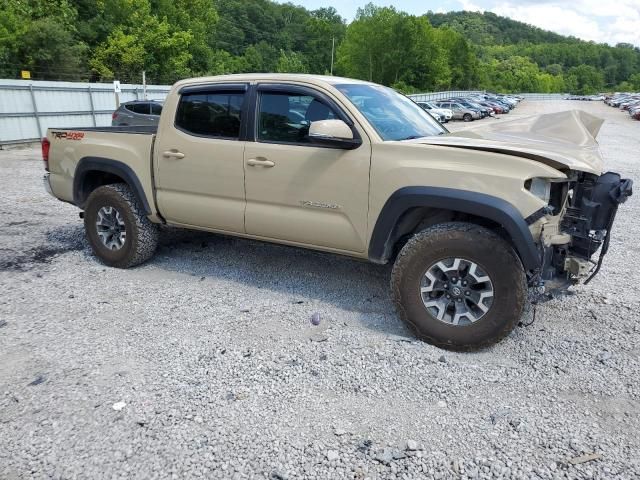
392, 115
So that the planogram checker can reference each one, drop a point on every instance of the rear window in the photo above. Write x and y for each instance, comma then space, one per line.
142, 108
215, 114
156, 109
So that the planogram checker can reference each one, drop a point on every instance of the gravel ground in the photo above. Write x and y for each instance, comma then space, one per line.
204, 361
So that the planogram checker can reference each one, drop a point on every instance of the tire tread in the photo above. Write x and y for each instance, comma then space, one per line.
446, 231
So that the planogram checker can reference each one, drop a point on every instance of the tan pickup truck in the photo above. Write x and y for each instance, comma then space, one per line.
471, 220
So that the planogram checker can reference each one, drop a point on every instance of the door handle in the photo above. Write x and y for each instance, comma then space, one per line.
260, 162
172, 154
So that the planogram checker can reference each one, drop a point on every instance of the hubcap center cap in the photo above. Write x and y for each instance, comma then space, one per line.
456, 291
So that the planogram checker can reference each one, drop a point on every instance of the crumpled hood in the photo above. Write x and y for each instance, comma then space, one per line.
561, 140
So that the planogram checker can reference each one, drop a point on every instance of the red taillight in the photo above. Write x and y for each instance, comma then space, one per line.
114, 115
45, 152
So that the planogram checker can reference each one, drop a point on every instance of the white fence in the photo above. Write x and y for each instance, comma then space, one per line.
28, 108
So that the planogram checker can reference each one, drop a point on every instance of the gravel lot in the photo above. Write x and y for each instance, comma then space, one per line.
204, 362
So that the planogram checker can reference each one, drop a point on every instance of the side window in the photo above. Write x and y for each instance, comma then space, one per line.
156, 109
213, 114
142, 108
286, 117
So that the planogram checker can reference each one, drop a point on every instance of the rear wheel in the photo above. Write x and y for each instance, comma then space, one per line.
467, 117
117, 228
459, 286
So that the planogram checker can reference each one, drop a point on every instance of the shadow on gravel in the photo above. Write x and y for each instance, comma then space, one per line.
56, 242
304, 276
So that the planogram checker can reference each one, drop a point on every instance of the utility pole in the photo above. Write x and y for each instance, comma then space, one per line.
333, 47
144, 85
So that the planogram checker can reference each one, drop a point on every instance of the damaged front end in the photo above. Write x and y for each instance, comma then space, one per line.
587, 206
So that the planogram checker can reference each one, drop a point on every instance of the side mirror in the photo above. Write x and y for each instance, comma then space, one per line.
333, 133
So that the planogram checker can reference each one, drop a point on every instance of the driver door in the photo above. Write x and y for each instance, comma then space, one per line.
297, 191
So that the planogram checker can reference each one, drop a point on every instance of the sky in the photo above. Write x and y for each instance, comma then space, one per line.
602, 21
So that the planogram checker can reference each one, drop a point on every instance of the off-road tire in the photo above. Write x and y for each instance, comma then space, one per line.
467, 117
472, 242
142, 234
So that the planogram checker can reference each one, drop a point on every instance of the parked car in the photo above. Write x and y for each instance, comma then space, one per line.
618, 101
484, 112
459, 112
469, 222
507, 107
497, 108
444, 113
138, 112
630, 103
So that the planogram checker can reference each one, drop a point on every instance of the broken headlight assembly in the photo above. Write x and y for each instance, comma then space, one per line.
592, 205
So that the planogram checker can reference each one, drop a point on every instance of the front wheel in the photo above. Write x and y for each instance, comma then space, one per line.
467, 117
459, 286
119, 232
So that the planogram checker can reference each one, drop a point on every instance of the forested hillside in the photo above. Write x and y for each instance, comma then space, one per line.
101, 40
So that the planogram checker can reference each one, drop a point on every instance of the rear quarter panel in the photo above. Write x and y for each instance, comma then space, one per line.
68, 147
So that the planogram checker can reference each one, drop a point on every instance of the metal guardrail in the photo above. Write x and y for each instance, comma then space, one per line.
432, 96
28, 108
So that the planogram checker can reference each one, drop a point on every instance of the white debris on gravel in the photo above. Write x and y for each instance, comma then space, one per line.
210, 343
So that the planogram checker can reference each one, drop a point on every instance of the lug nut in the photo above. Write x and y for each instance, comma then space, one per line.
459, 299
454, 279
464, 284
448, 296
467, 293
446, 285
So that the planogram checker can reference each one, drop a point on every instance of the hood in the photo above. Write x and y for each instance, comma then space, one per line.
561, 140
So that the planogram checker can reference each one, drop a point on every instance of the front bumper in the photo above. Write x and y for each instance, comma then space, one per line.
591, 206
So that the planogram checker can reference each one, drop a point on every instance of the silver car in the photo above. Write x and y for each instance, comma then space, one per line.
138, 112
460, 112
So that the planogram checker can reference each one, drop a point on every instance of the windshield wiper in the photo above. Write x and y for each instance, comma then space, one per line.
411, 137
414, 137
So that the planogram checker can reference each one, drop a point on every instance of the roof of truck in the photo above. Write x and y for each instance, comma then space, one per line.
251, 77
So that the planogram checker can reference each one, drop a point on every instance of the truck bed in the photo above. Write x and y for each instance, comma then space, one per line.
128, 146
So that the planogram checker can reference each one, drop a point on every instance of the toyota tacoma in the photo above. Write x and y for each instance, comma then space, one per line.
473, 221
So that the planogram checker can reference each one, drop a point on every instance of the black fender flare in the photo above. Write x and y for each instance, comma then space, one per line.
478, 204
107, 165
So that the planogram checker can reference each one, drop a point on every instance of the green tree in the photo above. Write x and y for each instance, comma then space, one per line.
324, 28
387, 47
291, 62
585, 79
40, 36
634, 81
149, 45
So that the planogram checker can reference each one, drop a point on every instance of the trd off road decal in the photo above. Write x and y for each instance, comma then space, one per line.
68, 135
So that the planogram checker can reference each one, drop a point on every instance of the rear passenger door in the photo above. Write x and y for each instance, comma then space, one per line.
198, 163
